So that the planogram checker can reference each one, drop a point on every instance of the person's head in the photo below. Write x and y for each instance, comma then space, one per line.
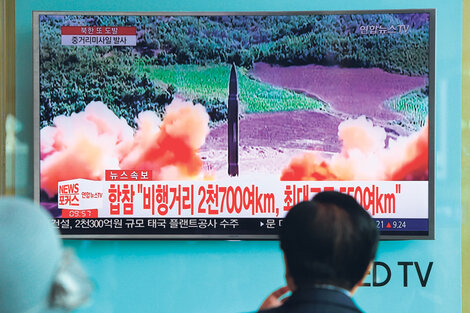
36, 273
328, 240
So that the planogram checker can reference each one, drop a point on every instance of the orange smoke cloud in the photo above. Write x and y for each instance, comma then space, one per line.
170, 149
308, 166
364, 156
414, 163
86, 144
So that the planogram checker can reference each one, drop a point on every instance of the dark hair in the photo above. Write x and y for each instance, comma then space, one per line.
329, 240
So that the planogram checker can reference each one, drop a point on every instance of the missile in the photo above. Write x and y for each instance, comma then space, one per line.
233, 123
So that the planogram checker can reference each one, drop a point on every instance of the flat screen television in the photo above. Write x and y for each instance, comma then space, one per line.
212, 125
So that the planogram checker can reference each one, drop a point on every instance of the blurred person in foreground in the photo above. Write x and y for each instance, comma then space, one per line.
36, 274
329, 245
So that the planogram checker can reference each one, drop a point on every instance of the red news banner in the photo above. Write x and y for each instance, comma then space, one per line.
98, 35
129, 193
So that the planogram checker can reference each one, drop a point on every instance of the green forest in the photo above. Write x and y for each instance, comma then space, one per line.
191, 55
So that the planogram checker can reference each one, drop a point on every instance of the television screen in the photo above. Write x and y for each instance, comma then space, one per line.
212, 125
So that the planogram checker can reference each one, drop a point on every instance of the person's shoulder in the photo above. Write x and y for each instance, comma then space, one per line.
280, 309
313, 308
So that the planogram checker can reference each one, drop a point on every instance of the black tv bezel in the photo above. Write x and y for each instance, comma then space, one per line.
384, 235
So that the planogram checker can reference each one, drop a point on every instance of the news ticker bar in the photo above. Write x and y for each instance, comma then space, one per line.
402, 224
216, 226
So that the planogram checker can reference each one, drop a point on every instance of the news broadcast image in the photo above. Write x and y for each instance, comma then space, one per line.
213, 126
